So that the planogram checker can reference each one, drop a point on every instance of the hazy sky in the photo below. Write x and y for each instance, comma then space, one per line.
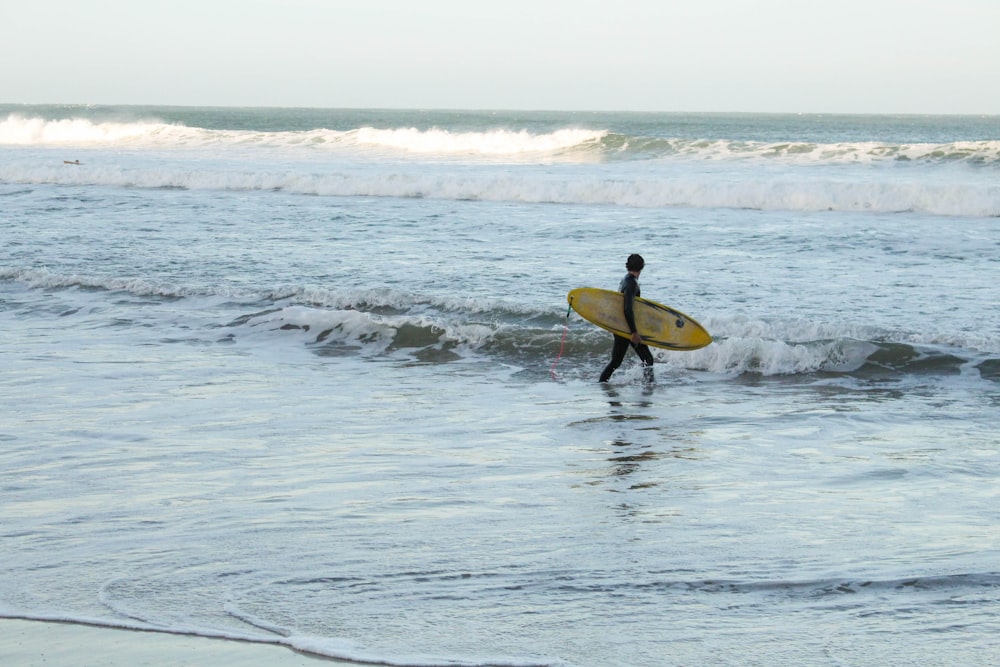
880, 56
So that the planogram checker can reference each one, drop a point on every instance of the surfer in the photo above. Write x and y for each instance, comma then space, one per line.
629, 286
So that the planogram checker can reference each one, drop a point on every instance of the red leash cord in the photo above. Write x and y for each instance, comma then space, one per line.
562, 343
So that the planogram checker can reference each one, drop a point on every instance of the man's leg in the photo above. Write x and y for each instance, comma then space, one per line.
647, 361
617, 356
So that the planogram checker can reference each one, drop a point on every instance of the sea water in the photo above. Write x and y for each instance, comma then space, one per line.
308, 377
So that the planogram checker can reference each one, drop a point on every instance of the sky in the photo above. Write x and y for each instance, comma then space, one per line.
835, 56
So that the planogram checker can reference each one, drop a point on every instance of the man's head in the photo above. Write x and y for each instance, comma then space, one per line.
635, 263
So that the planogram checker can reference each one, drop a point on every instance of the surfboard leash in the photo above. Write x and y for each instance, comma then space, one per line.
562, 343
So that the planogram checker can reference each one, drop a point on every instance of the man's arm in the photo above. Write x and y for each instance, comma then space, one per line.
629, 293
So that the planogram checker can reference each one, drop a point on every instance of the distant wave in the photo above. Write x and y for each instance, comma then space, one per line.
639, 190
510, 166
971, 152
18, 130
569, 143
493, 142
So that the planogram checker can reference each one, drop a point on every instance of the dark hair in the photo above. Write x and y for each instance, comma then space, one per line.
635, 263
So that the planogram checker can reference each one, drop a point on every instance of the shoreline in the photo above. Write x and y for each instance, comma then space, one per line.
26, 643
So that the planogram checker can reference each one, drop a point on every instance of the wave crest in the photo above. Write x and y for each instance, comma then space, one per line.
389, 323
493, 142
986, 152
442, 337
17, 130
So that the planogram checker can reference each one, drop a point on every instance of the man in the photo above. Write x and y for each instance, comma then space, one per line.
630, 288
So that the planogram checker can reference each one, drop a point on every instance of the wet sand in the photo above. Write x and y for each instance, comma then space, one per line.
30, 643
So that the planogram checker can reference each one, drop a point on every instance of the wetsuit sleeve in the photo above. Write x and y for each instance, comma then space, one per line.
630, 289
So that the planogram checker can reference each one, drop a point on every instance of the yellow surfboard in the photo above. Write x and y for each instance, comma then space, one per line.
658, 325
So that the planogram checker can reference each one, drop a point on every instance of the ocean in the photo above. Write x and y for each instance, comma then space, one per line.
308, 377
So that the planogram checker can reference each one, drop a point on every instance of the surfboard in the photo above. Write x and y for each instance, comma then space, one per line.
658, 325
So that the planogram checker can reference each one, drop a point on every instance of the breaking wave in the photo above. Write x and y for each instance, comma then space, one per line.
584, 144
18, 130
510, 164
528, 185
441, 338
379, 324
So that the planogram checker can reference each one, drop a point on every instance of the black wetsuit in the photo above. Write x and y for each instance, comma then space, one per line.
630, 288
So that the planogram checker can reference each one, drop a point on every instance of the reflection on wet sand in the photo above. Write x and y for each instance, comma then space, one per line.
631, 448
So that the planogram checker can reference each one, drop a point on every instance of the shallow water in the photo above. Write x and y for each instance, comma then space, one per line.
364, 426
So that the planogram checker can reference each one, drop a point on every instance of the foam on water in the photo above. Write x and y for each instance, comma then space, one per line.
496, 142
17, 130
532, 185
373, 324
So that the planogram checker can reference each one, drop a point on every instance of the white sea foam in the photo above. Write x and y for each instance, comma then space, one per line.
18, 130
699, 190
767, 357
493, 142
857, 152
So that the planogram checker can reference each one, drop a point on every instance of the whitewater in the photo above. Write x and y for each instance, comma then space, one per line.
308, 159
308, 377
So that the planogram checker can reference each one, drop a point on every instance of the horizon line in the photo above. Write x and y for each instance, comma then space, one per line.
445, 109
